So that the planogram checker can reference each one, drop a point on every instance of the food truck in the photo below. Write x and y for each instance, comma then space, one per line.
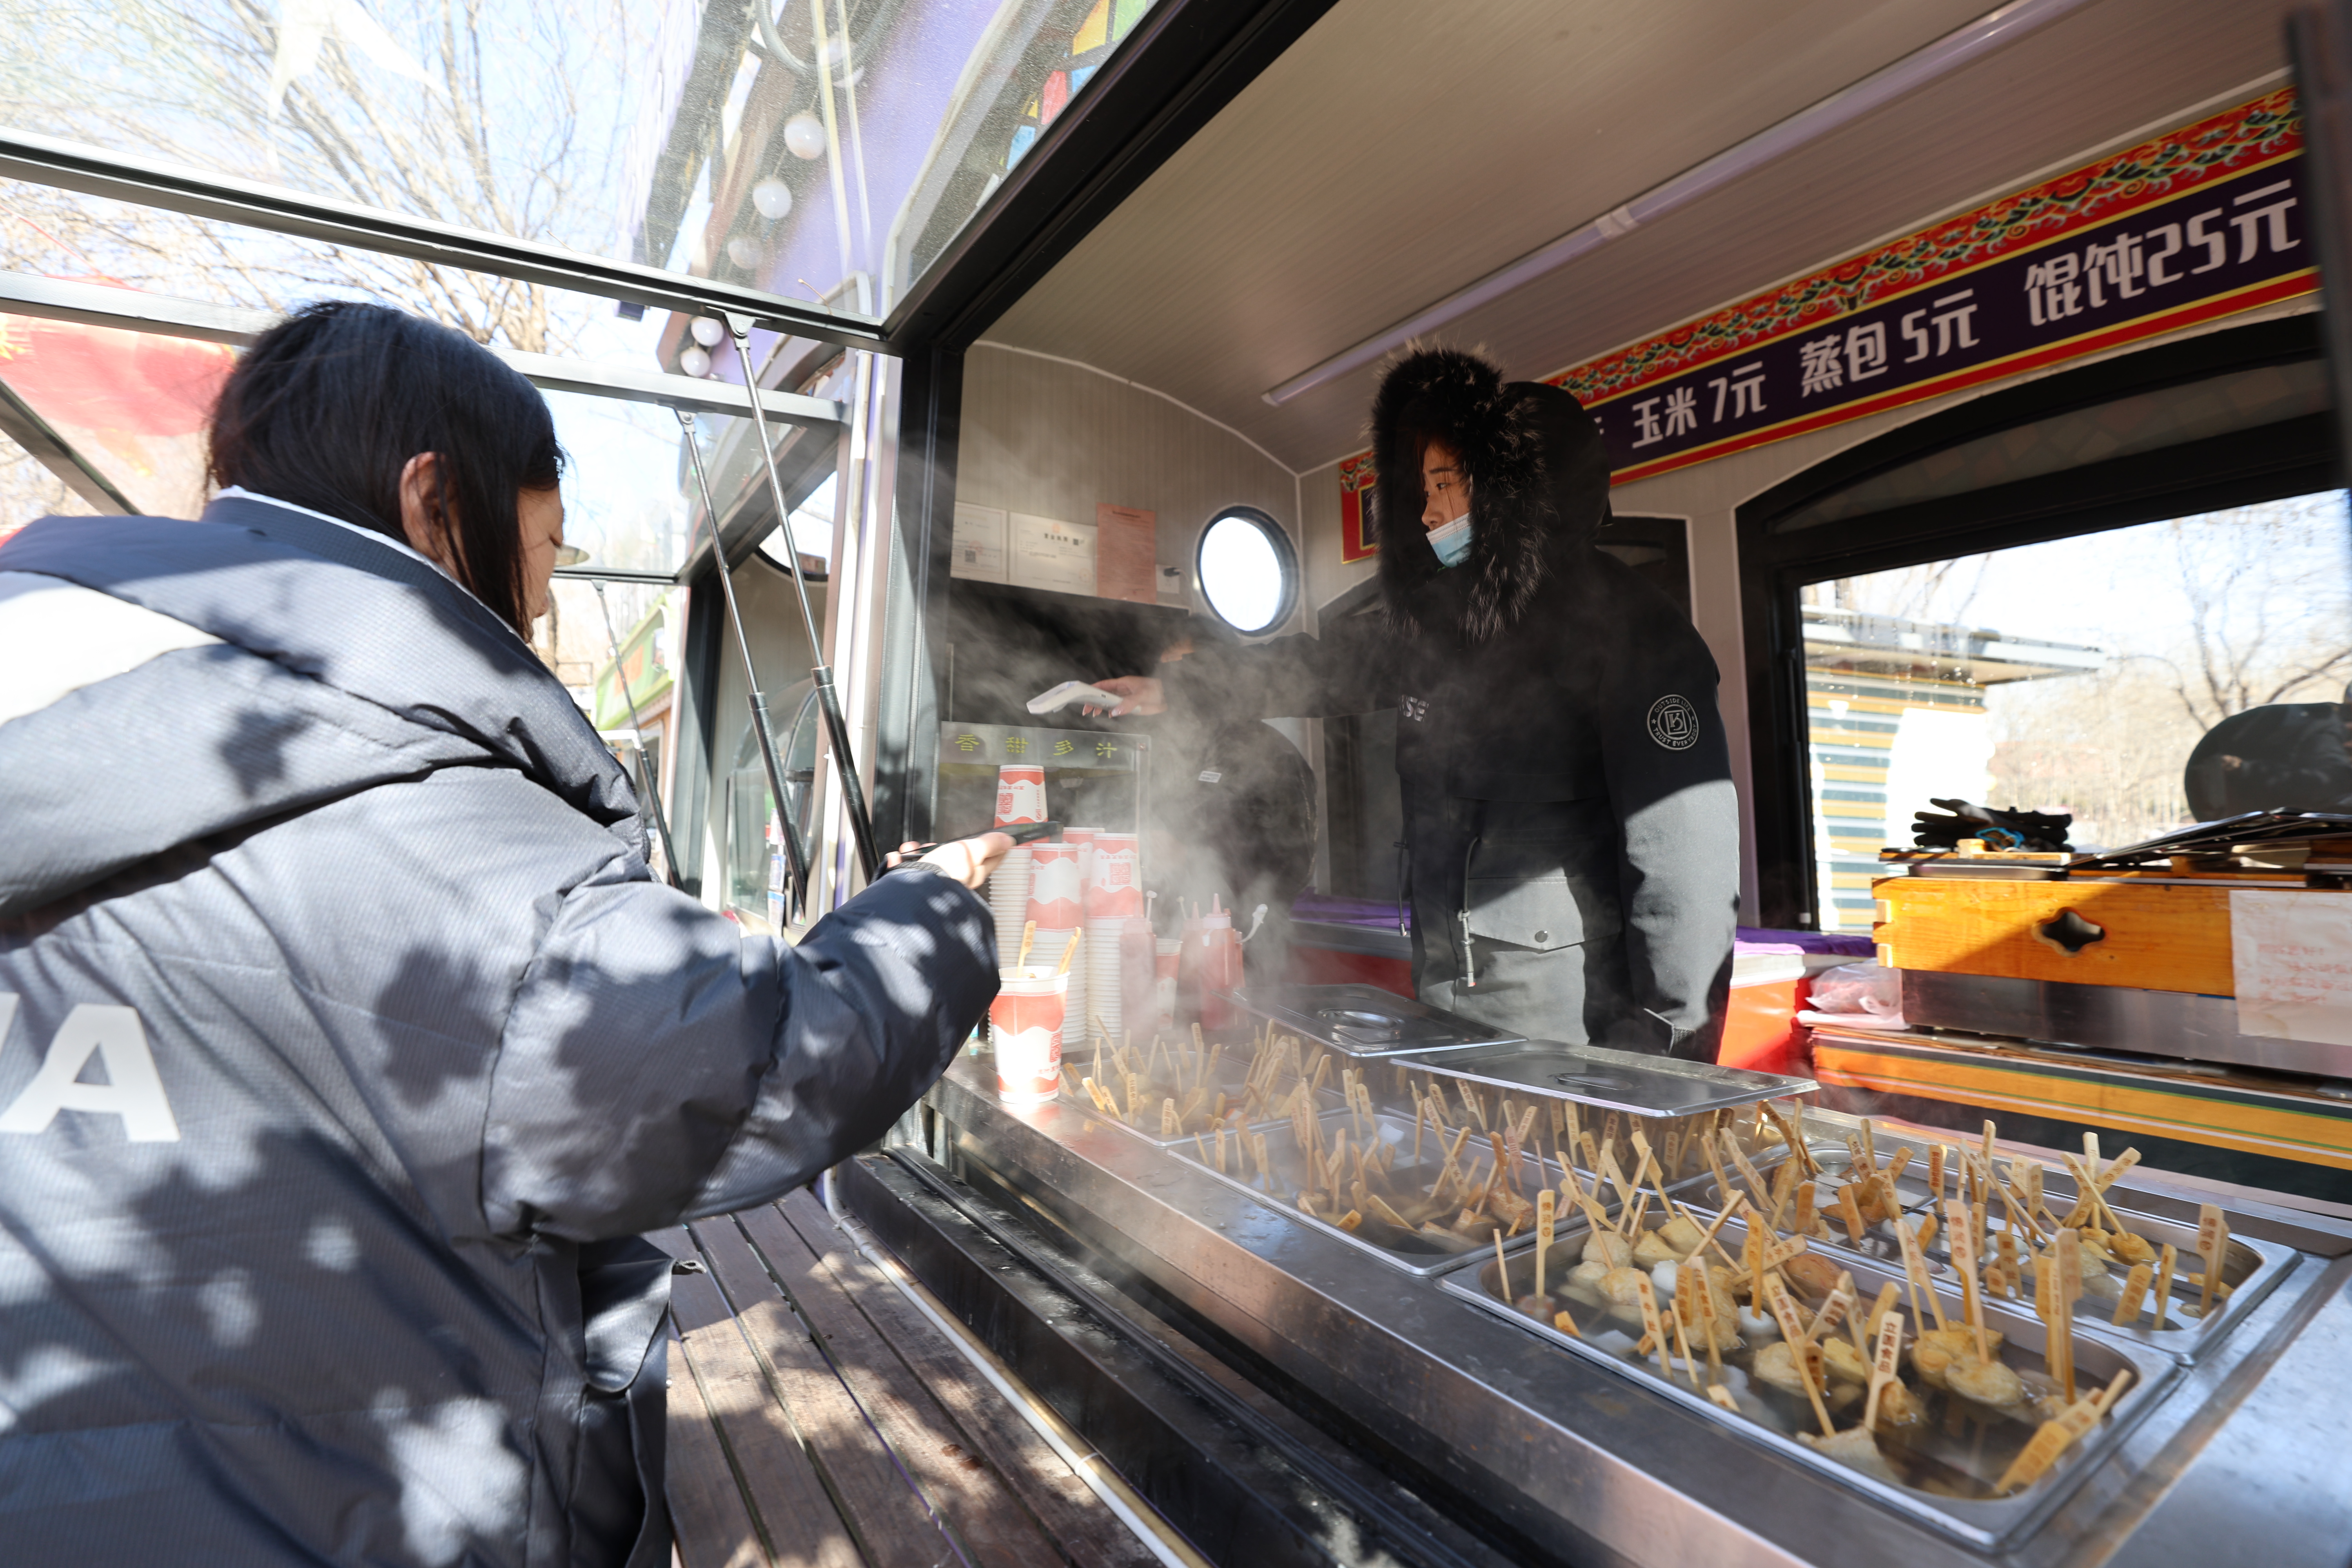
1965, 383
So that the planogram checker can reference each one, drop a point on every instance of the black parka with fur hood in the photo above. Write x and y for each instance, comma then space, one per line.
1571, 830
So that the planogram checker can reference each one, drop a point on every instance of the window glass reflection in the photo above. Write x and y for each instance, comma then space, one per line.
2138, 680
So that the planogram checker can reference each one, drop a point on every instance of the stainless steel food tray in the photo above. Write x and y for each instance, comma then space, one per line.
2253, 1264
1629, 1081
1983, 1522
1415, 1254
1363, 1020
1228, 1077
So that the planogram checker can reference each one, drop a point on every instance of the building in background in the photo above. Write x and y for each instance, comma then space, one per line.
1896, 715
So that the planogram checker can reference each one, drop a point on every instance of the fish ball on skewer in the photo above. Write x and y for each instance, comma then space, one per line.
1993, 1384
1609, 1249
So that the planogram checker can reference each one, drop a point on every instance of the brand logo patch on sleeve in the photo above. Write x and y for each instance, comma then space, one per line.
1674, 723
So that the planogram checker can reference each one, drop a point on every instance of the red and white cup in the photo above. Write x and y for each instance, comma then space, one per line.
1083, 837
1020, 793
1025, 1022
1115, 889
1056, 898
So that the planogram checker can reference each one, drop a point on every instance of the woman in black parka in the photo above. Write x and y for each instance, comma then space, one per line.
1571, 827
330, 1255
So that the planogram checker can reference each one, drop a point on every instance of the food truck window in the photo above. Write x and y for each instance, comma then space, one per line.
2066, 596
1247, 570
2135, 681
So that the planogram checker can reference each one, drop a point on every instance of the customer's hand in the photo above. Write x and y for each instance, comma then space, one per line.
968, 860
1141, 695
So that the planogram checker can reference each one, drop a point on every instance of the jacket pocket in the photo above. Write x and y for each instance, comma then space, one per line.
1540, 913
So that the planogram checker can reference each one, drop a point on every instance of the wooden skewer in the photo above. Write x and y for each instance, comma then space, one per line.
1963, 1249
1502, 1271
1546, 1212
2067, 1276
2212, 1246
2135, 1292
1028, 935
2164, 1286
1653, 1328
1069, 952
1802, 1351
1840, 1301
1682, 1341
1850, 1212
1707, 1237
1885, 1365
1864, 1325
1915, 1275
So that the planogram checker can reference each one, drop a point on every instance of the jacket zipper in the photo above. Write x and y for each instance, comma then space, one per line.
1469, 959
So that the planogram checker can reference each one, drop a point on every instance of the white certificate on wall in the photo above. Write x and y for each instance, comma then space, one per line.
1050, 553
978, 544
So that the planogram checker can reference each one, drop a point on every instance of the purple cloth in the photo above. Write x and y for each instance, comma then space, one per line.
1756, 939
1333, 909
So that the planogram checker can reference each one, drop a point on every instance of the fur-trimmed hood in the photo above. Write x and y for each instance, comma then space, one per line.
1539, 488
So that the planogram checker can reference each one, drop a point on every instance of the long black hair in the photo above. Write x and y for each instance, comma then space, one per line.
326, 408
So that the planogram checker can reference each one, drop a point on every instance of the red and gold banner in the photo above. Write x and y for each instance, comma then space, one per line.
2203, 222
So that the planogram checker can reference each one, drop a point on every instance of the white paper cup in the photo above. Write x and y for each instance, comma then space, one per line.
1025, 1022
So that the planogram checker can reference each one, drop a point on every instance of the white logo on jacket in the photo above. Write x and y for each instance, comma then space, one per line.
132, 1090
1674, 723
1415, 709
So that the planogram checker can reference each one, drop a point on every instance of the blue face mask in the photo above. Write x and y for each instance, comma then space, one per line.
1451, 542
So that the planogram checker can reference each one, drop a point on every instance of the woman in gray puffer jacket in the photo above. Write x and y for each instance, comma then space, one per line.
345, 1043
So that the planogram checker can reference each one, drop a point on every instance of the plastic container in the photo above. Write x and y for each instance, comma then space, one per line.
1025, 1022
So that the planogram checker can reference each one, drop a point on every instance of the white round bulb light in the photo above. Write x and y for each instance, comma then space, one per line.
805, 135
772, 197
707, 331
694, 361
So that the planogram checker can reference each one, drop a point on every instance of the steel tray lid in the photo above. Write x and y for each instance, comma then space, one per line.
1614, 1080
1364, 1020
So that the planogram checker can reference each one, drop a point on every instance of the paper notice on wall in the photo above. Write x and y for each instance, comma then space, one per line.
2291, 957
1126, 553
979, 551
1050, 553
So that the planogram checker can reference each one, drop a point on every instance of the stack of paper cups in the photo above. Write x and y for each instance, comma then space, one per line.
1083, 837
1020, 798
1056, 905
1114, 897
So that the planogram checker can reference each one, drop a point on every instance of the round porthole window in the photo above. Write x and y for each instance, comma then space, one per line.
1247, 570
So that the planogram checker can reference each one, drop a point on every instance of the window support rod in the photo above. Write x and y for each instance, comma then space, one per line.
836, 726
796, 853
645, 780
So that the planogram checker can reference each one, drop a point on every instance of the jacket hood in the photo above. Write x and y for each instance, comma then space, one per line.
1539, 488
340, 663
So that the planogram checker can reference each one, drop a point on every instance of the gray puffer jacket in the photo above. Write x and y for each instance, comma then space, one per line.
346, 1047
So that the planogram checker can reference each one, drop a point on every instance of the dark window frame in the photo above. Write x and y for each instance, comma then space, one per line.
2268, 462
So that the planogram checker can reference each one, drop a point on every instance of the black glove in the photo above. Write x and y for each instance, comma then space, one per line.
2010, 829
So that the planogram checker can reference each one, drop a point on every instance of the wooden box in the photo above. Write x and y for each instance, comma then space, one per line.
2156, 936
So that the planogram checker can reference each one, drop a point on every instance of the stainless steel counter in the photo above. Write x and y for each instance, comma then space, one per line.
2250, 1446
